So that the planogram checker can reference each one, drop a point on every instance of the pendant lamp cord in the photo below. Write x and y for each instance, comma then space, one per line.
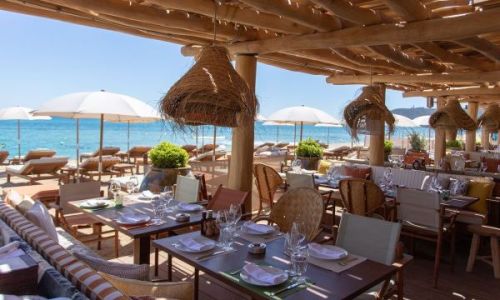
215, 21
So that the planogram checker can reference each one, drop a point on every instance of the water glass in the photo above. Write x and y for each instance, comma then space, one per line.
130, 186
158, 209
168, 195
297, 166
299, 264
226, 237
114, 188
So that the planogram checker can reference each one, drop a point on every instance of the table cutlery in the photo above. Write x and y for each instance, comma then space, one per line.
286, 288
209, 254
345, 262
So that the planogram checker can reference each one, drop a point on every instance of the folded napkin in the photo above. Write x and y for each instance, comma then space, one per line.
263, 275
318, 250
9, 248
133, 217
195, 245
189, 206
258, 228
147, 194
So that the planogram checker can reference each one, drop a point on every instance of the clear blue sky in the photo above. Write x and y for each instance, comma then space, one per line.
42, 59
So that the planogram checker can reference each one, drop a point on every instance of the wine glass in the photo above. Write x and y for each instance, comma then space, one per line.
135, 181
114, 188
168, 195
226, 230
235, 216
130, 187
297, 166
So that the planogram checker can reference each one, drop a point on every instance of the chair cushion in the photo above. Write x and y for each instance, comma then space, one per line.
481, 190
458, 186
443, 181
357, 172
40, 216
130, 271
15, 169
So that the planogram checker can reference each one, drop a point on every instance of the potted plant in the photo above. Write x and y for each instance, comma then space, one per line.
387, 149
417, 149
168, 161
454, 145
309, 152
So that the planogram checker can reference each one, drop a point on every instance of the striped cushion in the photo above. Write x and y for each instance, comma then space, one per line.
82, 276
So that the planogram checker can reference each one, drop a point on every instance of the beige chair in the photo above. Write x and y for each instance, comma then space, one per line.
39, 169
3, 156
71, 219
303, 205
423, 217
493, 233
90, 167
34, 154
105, 152
187, 189
374, 239
268, 180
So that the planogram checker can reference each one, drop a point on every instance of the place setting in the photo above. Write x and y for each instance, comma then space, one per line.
201, 248
259, 233
96, 204
332, 258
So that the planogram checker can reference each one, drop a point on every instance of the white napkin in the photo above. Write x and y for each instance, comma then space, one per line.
189, 206
326, 252
260, 274
195, 245
258, 228
147, 194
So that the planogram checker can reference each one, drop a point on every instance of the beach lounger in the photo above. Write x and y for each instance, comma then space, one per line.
3, 156
39, 169
33, 154
90, 167
190, 149
105, 152
134, 158
337, 153
281, 145
207, 156
263, 145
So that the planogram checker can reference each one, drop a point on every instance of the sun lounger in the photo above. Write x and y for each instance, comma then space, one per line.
190, 149
281, 145
207, 156
263, 145
105, 152
90, 166
135, 156
39, 169
33, 154
337, 153
3, 156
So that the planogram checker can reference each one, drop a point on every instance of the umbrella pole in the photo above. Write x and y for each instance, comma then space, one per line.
277, 134
19, 139
294, 133
101, 137
301, 130
128, 135
215, 139
328, 136
78, 149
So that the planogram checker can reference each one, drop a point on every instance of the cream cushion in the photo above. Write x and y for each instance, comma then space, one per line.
40, 216
19, 202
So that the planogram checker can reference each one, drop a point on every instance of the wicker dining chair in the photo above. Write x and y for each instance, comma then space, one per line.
363, 197
303, 205
268, 181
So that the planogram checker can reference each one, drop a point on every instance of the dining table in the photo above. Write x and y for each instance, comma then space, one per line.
141, 234
322, 283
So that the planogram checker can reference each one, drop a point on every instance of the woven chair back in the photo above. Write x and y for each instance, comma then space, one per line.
268, 180
361, 197
304, 205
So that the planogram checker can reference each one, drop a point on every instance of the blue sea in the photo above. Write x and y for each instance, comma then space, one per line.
60, 134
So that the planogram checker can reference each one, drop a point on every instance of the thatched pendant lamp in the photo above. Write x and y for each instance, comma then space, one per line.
367, 114
210, 93
490, 119
452, 116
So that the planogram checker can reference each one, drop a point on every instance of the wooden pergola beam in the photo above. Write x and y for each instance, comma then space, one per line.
452, 92
467, 78
482, 46
347, 11
420, 31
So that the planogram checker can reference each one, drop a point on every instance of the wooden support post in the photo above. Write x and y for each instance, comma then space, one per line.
439, 137
498, 138
376, 153
240, 170
485, 139
470, 137
451, 134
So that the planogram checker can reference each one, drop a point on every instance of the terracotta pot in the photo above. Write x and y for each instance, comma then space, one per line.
157, 179
412, 155
309, 163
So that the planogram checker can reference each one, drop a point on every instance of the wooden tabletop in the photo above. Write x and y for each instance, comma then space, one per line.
133, 205
327, 284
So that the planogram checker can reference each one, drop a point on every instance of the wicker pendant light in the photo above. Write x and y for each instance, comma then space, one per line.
210, 93
367, 114
490, 119
452, 116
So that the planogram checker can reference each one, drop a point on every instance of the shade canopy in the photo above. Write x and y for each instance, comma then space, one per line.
302, 114
19, 113
422, 121
271, 123
490, 119
327, 125
402, 121
91, 105
452, 116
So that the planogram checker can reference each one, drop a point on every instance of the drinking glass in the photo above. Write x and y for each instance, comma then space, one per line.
299, 264
168, 195
297, 166
226, 230
114, 188
294, 238
234, 217
135, 181
158, 209
130, 186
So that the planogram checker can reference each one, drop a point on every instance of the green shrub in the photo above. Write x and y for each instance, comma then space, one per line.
454, 144
416, 140
388, 146
309, 148
167, 155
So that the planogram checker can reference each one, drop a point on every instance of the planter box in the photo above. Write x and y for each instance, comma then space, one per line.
309, 163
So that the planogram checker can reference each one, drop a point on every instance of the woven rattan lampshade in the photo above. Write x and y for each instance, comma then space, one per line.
452, 116
365, 113
210, 93
490, 119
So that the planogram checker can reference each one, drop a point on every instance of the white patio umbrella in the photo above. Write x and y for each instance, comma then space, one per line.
302, 115
402, 121
328, 130
97, 105
19, 113
271, 123
423, 121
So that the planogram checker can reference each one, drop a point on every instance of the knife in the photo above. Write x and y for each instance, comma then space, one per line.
286, 288
209, 254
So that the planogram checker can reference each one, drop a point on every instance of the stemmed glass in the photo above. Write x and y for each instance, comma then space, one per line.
226, 230
297, 166
234, 216
168, 195
132, 184
114, 188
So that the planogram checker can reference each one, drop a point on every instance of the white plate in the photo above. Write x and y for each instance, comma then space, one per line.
95, 203
343, 253
187, 207
182, 248
248, 279
133, 219
249, 231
